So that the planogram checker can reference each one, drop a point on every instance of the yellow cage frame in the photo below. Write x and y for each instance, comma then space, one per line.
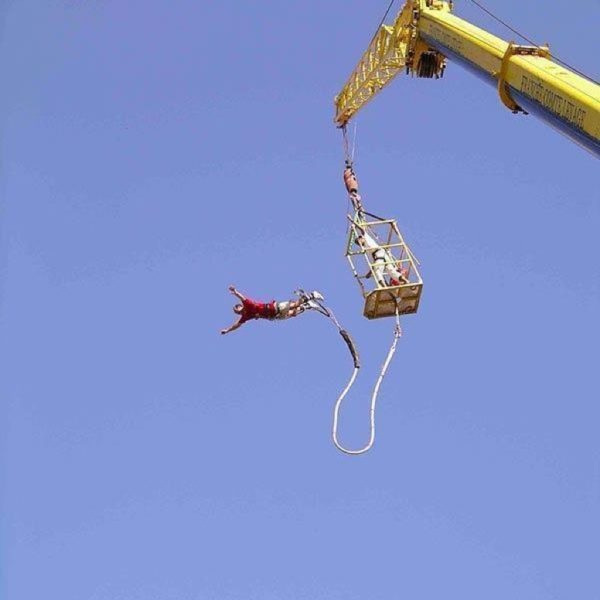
381, 300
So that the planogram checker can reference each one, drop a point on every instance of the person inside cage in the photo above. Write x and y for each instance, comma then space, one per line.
385, 267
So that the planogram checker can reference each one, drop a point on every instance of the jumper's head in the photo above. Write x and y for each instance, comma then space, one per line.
238, 308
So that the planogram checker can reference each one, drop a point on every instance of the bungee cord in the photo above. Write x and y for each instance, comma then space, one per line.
327, 312
374, 396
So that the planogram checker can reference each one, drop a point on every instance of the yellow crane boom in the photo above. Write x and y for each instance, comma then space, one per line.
426, 32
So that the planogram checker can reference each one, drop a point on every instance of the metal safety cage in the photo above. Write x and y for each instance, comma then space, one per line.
387, 257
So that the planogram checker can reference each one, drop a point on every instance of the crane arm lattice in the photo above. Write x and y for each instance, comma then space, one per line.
394, 48
383, 60
527, 79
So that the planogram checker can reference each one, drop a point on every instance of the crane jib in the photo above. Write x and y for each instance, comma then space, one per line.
563, 124
537, 98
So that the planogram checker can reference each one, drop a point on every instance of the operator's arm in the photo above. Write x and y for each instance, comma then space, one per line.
236, 293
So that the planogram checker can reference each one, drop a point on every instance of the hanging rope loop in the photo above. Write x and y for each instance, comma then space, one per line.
374, 395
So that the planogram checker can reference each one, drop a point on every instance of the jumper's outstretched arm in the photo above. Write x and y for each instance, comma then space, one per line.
236, 293
231, 328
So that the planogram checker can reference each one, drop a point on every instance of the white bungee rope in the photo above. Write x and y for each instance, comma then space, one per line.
374, 395
338, 403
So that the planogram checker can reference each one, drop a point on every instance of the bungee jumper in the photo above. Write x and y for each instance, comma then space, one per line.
251, 309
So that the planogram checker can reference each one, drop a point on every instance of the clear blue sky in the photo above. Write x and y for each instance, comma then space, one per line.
154, 152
